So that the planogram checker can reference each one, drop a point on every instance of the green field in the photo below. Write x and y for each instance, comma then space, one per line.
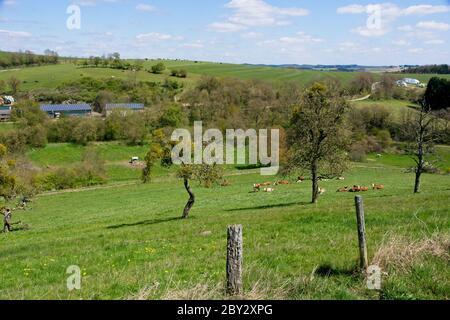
129, 243
51, 76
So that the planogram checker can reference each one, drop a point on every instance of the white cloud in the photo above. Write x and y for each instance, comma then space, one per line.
193, 45
370, 32
416, 50
145, 7
392, 10
435, 41
433, 25
226, 27
91, 3
425, 9
256, 13
15, 34
352, 9
301, 37
252, 35
401, 43
10, 2
389, 12
156, 37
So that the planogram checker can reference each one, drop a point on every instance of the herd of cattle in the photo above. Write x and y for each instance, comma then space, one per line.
266, 186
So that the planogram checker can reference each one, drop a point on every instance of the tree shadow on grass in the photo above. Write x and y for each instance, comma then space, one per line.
143, 223
327, 270
270, 206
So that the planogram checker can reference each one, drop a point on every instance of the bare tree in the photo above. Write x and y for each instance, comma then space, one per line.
419, 127
317, 136
14, 84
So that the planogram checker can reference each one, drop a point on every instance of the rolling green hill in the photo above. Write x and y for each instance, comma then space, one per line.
50, 76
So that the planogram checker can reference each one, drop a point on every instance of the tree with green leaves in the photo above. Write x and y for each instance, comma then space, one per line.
186, 172
158, 68
151, 158
317, 135
7, 178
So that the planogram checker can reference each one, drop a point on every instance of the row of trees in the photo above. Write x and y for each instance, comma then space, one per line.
321, 130
27, 58
112, 61
434, 69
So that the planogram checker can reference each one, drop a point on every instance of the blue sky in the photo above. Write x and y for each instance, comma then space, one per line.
241, 31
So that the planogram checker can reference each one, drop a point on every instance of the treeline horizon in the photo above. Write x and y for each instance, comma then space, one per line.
429, 69
27, 58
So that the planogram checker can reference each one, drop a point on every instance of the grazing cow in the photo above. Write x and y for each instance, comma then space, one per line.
269, 190
359, 189
256, 187
341, 178
377, 186
343, 189
282, 182
266, 184
322, 191
300, 179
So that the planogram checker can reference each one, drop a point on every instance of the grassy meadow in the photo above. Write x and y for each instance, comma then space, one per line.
50, 76
129, 243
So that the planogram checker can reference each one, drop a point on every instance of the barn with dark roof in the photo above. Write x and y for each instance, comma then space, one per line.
56, 110
110, 107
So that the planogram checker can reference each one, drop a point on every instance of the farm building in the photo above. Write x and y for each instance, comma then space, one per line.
77, 110
110, 107
411, 81
5, 113
6, 103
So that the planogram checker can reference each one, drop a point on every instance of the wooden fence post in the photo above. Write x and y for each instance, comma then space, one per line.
234, 260
363, 260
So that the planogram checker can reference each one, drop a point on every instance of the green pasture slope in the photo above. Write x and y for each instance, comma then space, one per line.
130, 244
51, 76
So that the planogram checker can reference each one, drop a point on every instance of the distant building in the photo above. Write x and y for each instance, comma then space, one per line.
76, 110
411, 81
8, 100
6, 104
110, 107
401, 83
5, 113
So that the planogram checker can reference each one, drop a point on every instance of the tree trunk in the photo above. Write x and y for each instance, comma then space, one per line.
191, 201
417, 183
315, 183
419, 169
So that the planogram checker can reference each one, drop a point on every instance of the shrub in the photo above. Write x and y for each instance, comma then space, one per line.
358, 152
91, 171
158, 68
